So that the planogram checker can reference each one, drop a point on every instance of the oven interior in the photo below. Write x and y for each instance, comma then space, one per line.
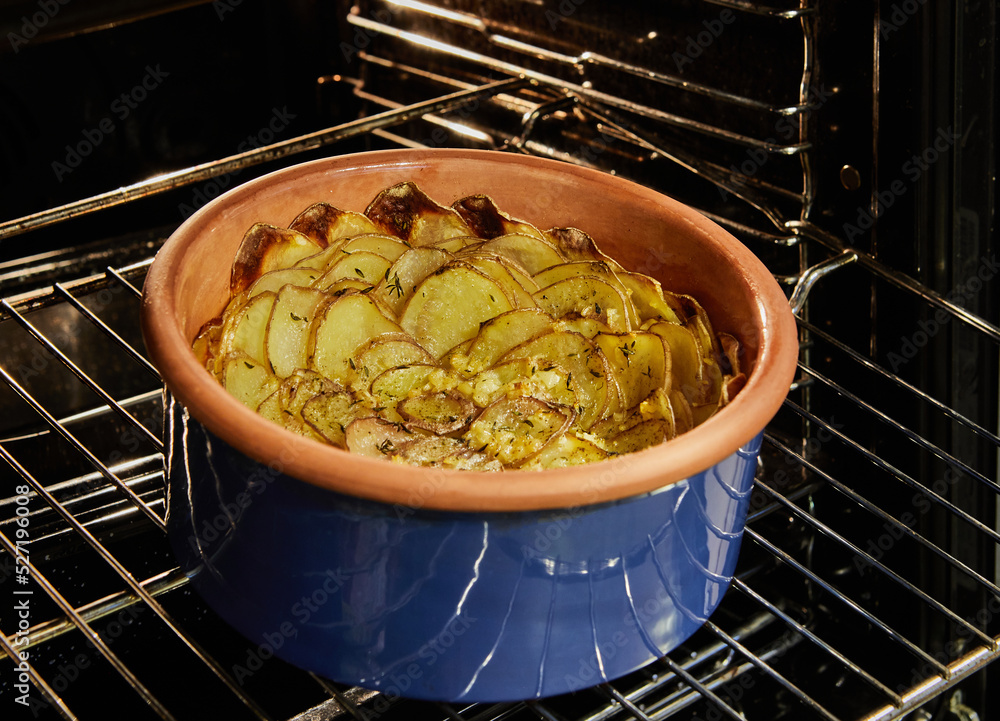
852, 149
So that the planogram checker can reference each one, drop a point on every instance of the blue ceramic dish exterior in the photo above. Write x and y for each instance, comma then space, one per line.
445, 605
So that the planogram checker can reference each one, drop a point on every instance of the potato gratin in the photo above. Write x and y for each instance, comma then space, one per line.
461, 337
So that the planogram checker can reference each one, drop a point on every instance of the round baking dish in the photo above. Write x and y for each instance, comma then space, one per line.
459, 585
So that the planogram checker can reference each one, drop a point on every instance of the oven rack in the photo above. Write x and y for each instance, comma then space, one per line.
736, 658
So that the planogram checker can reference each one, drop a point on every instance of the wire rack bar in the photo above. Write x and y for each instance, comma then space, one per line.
899, 638
81, 624
263, 154
137, 588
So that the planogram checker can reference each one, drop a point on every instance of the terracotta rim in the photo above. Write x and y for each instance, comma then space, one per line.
419, 487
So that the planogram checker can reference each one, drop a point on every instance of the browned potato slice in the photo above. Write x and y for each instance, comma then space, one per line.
588, 296
440, 413
326, 224
448, 307
513, 430
344, 326
376, 437
568, 449
323, 259
398, 284
361, 265
574, 244
288, 328
273, 280
265, 248
285, 405
588, 327
406, 212
431, 450
385, 245
532, 254
249, 381
586, 367
501, 334
639, 363
486, 220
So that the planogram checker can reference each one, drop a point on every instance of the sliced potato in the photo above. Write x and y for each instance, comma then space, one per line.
568, 449
525, 377
249, 381
513, 430
587, 296
395, 384
344, 326
265, 248
685, 357
361, 265
639, 363
288, 328
327, 224
648, 299
376, 437
574, 244
494, 267
329, 414
387, 246
502, 333
389, 350
486, 220
530, 253
401, 280
273, 280
406, 212
448, 307
440, 413
249, 333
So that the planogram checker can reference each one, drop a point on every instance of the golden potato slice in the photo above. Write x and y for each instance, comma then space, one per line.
685, 357
497, 268
431, 450
639, 363
265, 248
648, 298
448, 307
501, 334
385, 245
642, 435
439, 413
398, 284
586, 367
513, 430
406, 212
389, 350
361, 265
525, 377
530, 253
327, 224
288, 328
486, 220
285, 405
595, 268
392, 385
249, 331
329, 414
273, 280
249, 381
344, 326
587, 296
588, 327
568, 449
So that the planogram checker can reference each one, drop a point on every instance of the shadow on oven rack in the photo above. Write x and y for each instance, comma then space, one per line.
866, 587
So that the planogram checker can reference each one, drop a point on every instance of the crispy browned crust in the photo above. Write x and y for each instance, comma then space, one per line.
257, 243
395, 209
315, 222
482, 216
575, 244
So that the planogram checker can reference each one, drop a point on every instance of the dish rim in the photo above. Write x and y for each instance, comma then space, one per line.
415, 487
